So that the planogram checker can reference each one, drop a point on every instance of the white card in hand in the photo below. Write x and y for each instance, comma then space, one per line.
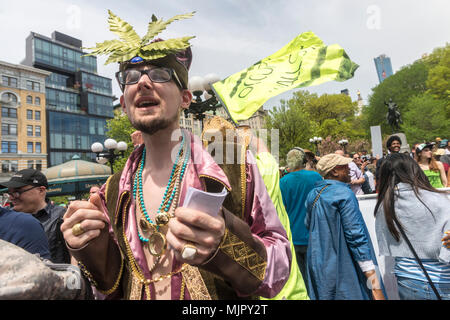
204, 201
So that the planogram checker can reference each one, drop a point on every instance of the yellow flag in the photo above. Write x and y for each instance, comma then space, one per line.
303, 62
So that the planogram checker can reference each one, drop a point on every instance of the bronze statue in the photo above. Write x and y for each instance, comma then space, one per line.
393, 116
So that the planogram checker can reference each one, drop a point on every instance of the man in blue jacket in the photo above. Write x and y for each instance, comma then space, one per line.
341, 261
24, 231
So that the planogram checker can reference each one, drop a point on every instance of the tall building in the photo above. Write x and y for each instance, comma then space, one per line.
78, 100
23, 135
383, 66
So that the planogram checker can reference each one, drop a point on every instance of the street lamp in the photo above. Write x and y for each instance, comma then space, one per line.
202, 87
316, 141
111, 156
343, 143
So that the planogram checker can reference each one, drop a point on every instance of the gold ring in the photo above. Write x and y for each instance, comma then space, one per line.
189, 251
77, 230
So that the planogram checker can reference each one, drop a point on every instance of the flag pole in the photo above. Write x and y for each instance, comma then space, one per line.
224, 106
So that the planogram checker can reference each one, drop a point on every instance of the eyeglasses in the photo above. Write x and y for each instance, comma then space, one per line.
158, 74
17, 194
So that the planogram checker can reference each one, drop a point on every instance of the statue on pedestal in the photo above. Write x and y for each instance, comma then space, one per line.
393, 116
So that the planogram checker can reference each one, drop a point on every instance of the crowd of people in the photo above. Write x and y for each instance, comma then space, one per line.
158, 229
412, 220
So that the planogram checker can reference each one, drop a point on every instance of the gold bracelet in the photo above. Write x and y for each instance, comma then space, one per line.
116, 284
87, 273
95, 284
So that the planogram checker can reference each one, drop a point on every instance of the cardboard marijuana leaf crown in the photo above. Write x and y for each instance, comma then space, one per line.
131, 45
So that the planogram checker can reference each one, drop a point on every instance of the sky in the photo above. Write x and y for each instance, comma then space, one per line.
231, 35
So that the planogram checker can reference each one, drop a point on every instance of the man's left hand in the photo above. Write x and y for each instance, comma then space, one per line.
192, 227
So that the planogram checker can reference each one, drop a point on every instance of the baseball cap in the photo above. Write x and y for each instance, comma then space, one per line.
422, 146
26, 177
329, 161
439, 152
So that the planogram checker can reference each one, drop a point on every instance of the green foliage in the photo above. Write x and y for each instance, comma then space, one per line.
426, 118
120, 129
293, 123
400, 87
438, 81
331, 116
131, 45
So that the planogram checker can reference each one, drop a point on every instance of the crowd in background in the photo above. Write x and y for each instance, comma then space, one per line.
329, 233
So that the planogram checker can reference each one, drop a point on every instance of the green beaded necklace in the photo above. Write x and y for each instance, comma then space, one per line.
170, 194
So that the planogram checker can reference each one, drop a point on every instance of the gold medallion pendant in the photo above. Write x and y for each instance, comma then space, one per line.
162, 218
157, 244
146, 226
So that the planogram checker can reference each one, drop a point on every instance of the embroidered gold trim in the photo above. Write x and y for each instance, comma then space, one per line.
243, 254
195, 284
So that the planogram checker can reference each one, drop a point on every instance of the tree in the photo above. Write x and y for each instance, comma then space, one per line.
120, 129
438, 81
426, 118
408, 82
294, 125
331, 116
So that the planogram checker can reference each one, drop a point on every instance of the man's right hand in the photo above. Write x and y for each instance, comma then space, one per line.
91, 217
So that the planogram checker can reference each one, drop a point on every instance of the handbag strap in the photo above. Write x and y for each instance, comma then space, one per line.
318, 195
418, 260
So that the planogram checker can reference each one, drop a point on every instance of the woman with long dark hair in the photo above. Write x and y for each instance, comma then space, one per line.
410, 210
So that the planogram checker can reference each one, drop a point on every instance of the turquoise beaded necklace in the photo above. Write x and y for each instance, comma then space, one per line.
175, 179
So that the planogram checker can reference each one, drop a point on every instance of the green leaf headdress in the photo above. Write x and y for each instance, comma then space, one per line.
132, 49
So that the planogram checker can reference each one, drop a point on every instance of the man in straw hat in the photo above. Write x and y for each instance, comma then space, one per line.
155, 247
340, 259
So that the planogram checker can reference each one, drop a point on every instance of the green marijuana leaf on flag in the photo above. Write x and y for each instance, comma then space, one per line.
303, 62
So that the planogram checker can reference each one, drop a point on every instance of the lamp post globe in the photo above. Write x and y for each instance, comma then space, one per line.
204, 98
316, 141
110, 156
110, 144
97, 147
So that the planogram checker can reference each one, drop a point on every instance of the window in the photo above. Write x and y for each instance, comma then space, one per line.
33, 85
29, 99
9, 81
29, 114
10, 98
39, 165
37, 115
38, 147
37, 101
30, 131
9, 112
30, 164
30, 147
9, 146
5, 165
14, 165
9, 129
37, 131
